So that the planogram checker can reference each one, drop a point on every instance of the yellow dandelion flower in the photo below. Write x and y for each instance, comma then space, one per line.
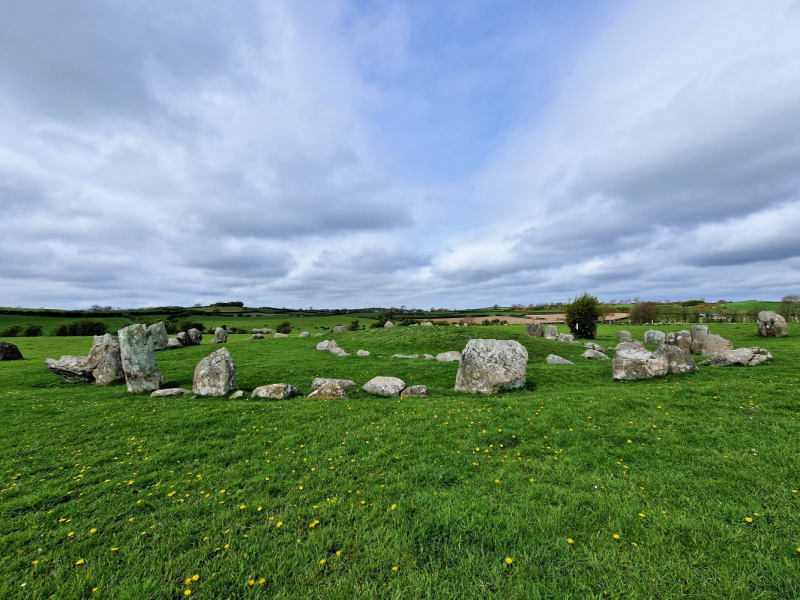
131, 519
188, 581
749, 519
187, 593
259, 509
279, 524
243, 506
394, 568
497, 481
509, 560
80, 561
93, 531
70, 534
36, 562
251, 582
262, 581
338, 553
322, 562
634, 544
195, 577
642, 515
226, 546
616, 536
114, 549
394, 506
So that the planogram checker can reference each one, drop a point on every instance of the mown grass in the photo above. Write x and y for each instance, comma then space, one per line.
146, 493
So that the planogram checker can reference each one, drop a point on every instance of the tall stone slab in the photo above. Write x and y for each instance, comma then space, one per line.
215, 375
220, 336
535, 329
492, 366
551, 333
109, 368
100, 345
138, 357
160, 335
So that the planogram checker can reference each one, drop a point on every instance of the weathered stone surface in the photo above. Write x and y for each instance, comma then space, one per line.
236, 395
679, 359
624, 336
304, 334
109, 369
419, 391
491, 366
342, 383
71, 368
654, 336
566, 337
632, 362
741, 357
384, 386
681, 339
363, 353
553, 359
428, 357
263, 331
413, 356
281, 335
413, 324
329, 391
551, 333
324, 345
340, 352
195, 336
771, 324
169, 392
276, 391
594, 355
340, 329
9, 351
708, 344
535, 329
451, 356
100, 345
220, 336
160, 336
173, 343
183, 338
257, 336
139, 359
426, 324
593, 346
388, 324
333, 347
215, 375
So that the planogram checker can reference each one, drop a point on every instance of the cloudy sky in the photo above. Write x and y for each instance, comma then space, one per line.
375, 153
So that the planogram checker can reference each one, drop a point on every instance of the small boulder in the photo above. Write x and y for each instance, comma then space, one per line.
771, 324
535, 329
160, 336
195, 336
679, 359
632, 362
324, 345
215, 375
741, 357
388, 324
654, 336
492, 366
681, 339
552, 359
420, 391
428, 357
9, 351
341, 352
169, 392
594, 355
566, 337
305, 334
342, 383
257, 336
183, 338
329, 391
139, 359
333, 347
340, 329
413, 356
426, 324
451, 356
220, 336
593, 346
363, 353
624, 336
173, 344
384, 386
236, 395
551, 333
263, 331
281, 335
71, 368
276, 391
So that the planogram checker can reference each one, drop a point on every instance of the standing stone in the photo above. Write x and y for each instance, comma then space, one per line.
340, 329
551, 333
109, 369
535, 329
566, 337
707, 344
100, 345
554, 359
384, 386
160, 336
418, 391
451, 356
195, 336
388, 324
679, 359
215, 375
276, 391
681, 339
741, 357
220, 336
632, 362
624, 336
654, 336
9, 351
492, 366
594, 355
771, 324
71, 368
139, 359
304, 334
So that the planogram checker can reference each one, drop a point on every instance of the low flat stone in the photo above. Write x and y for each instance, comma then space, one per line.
183, 338
173, 344
451, 356
426, 324
10, 351
281, 335
263, 331
428, 357
329, 391
553, 359
341, 352
741, 357
304, 334
170, 392
342, 383
384, 386
276, 391
708, 344
566, 337
340, 329
624, 335
71, 368
257, 336
412, 356
593, 346
236, 395
594, 355
363, 353
416, 391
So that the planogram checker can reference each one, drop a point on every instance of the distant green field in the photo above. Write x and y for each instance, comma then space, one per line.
575, 487
750, 304
49, 323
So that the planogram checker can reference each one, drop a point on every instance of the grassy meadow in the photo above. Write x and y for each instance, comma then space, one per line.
575, 487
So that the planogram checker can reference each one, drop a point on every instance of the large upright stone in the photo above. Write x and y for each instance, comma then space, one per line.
681, 339
195, 337
100, 345
9, 351
679, 360
139, 359
160, 335
109, 369
623, 335
71, 368
551, 333
215, 375
535, 329
771, 324
632, 362
654, 336
220, 336
491, 366
707, 344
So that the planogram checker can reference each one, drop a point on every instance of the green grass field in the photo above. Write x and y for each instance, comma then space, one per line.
575, 487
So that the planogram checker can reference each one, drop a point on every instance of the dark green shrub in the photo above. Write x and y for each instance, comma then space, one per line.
32, 330
10, 331
441, 323
284, 327
581, 316
80, 327
354, 326
174, 327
